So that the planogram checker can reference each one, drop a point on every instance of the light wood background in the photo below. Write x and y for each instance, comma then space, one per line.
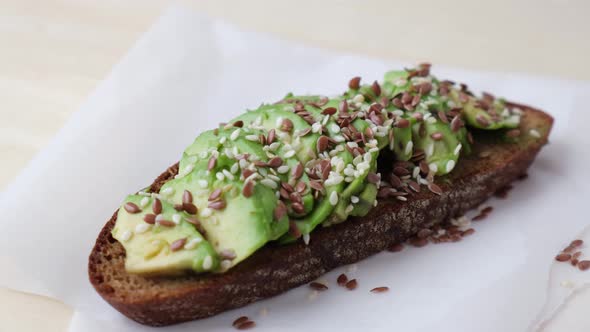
54, 52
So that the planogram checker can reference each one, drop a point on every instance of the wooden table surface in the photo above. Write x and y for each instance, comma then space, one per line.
55, 52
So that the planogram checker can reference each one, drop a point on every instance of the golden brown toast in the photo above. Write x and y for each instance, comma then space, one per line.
273, 269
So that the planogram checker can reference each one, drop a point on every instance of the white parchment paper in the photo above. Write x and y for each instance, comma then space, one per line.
186, 74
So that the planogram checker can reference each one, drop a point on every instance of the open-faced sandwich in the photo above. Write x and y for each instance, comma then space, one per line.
281, 194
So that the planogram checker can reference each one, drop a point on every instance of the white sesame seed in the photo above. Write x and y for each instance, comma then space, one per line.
457, 149
274, 177
274, 146
358, 98
206, 212
222, 140
325, 120
352, 145
289, 154
433, 167
235, 134
203, 154
339, 138
144, 202
207, 262
427, 116
220, 176
348, 209
252, 138
225, 264
159, 218
409, 147
423, 181
269, 183
535, 133
416, 172
229, 153
348, 171
126, 236
142, 228
167, 191
188, 168
283, 169
243, 163
367, 157
234, 168
335, 128
192, 244
354, 199
450, 165
228, 174
429, 149
203, 183
316, 127
375, 203
430, 120
306, 239
349, 179
176, 218
400, 82
401, 198
334, 198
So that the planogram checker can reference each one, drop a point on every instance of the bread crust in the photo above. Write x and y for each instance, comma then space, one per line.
159, 301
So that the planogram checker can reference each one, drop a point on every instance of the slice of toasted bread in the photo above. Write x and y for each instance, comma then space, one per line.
159, 301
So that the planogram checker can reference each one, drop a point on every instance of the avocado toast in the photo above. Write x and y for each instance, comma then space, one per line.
286, 192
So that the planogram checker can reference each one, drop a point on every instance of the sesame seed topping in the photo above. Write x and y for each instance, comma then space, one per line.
142, 228
450, 165
283, 169
535, 133
126, 236
306, 238
176, 218
333, 198
228, 175
235, 134
289, 154
358, 98
269, 183
207, 262
203, 183
192, 244
144, 202
433, 167
457, 149
409, 147
206, 212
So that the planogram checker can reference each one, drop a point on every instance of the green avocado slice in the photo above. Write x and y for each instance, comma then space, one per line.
153, 248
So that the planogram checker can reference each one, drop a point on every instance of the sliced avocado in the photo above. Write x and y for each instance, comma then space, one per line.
150, 247
497, 117
366, 200
395, 81
440, 154
272, 117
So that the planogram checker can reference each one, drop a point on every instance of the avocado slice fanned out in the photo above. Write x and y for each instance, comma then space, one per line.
170, 245
279, 171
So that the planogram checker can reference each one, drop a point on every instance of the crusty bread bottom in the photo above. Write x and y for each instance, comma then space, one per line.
159, 301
